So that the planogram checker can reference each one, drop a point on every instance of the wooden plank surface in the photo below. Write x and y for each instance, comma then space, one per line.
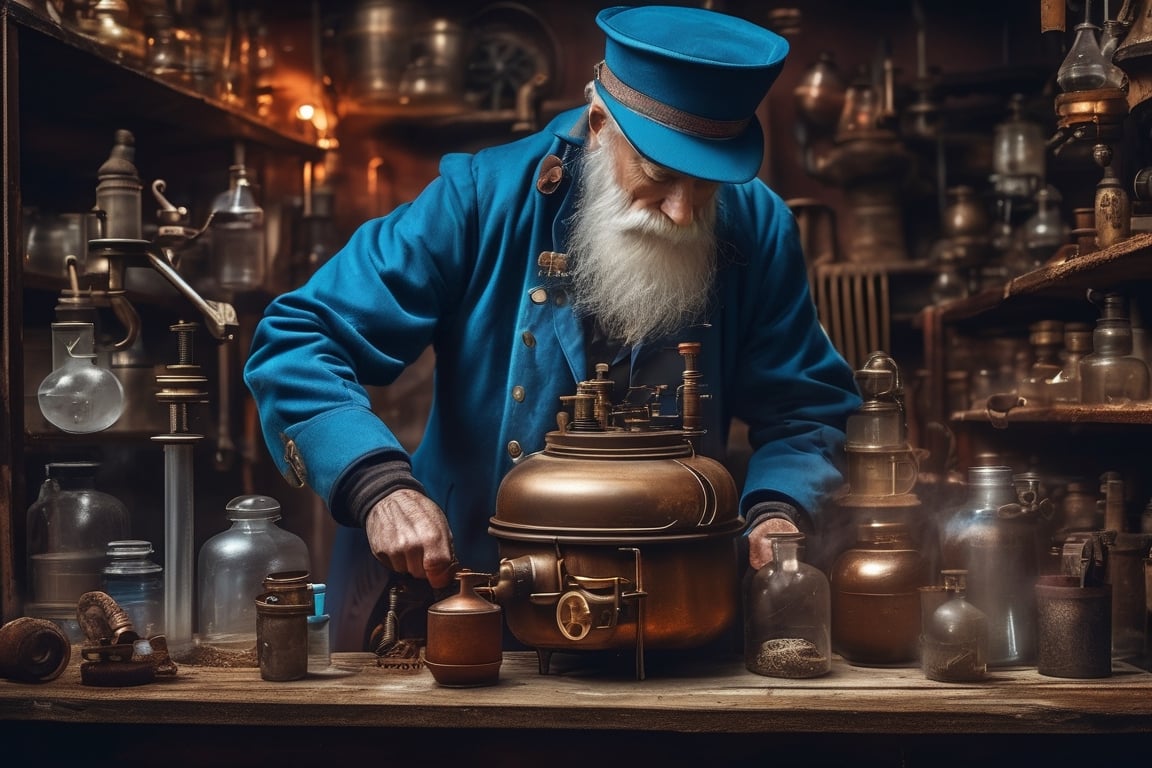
678, 695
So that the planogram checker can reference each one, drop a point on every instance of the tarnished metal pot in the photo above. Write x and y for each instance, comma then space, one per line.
615, 539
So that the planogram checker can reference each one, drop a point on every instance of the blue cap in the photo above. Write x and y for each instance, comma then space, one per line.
684, 83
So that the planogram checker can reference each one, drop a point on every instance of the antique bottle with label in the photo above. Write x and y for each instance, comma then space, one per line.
875, 596
787, 611
993, 537
234, 564
1111, 374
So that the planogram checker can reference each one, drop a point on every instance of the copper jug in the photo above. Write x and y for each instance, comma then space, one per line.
465, 633
876, 597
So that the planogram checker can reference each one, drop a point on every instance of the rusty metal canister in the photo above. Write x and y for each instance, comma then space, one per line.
465, 633
33, 650
281, 637
1075, 628
876, 596
290, 587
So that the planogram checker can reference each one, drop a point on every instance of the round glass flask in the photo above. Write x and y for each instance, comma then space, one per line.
79, 396
233, 565
786, 613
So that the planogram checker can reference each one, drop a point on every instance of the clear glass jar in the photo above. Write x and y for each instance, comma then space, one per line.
68, 530
787, 615
875, 596
954, 646
136, 584
233, 565
1111, 374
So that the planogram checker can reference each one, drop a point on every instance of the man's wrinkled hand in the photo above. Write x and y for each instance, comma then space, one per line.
760, 540
409, 532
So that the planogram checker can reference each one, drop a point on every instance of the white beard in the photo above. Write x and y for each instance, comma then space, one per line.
640, 275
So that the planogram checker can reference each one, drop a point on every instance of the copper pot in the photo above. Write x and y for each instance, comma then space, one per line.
464, 636
615, 539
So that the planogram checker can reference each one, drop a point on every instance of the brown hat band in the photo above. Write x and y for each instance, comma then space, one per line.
671, 117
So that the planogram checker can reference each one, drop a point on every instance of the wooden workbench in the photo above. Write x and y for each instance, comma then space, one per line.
586, 711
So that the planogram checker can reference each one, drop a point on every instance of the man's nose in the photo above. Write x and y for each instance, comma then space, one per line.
682, 201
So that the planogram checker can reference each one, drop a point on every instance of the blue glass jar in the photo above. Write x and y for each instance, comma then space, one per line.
136, 584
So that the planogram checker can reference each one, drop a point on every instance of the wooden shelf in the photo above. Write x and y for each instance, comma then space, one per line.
1132, 414
1067, 281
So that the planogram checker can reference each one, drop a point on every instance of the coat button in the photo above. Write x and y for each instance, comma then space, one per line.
551, 174
514, 449
538, 296
561, 298
295, 473
528, 339
518, 393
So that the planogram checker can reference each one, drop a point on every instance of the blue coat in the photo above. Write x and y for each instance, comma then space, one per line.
457, 269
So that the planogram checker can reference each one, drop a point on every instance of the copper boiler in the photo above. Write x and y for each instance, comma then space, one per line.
618, 535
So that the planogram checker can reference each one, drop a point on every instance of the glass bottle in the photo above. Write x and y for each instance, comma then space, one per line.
1065, 386
1084, 68
787, 616
79, 396
1018, 153
1111, 374
1046, 337
954, 646
68, 529
993, 537
136, 584
1044, 231
875, 596
237, 235
233, 565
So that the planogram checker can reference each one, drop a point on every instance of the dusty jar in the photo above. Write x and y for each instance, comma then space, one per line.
876, 597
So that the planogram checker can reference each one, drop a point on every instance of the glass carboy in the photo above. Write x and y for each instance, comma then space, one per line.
994, 538
69, 527
787, 616
233, 564
1111, 374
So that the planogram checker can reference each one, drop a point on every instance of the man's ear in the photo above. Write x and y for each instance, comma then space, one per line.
597, 119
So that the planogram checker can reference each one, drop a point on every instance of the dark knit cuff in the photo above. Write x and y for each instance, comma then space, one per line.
777, 510
367, 483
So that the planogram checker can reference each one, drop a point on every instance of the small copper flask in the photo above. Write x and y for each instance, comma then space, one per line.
465, 633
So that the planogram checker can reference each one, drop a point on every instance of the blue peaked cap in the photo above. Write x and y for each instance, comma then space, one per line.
684, 83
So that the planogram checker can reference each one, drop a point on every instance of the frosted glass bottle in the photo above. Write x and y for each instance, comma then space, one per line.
1111, 374
68, 530
136, 584
954, 646
233, 564
787, 631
